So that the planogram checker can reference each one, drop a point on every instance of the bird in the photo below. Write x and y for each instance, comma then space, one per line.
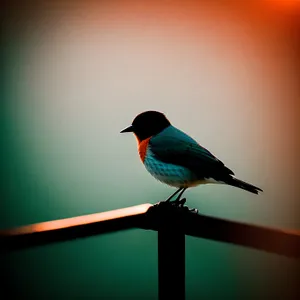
176, 159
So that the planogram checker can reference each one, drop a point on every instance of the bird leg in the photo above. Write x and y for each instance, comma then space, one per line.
178, 201
177, 191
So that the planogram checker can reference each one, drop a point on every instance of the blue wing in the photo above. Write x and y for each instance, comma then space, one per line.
174, 146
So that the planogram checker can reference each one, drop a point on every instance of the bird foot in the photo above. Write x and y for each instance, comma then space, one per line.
177, 204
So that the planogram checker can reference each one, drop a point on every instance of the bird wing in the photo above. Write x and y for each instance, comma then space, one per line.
174, 146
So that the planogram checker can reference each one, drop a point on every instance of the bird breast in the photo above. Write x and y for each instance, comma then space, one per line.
142, 148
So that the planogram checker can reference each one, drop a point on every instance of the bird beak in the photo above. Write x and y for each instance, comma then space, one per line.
127, 129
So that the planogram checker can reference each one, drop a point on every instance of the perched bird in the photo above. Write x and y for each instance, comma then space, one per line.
174, 158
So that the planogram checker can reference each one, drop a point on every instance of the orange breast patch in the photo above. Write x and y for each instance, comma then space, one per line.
142, 148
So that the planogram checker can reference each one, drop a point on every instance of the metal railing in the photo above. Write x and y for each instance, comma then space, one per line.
172, 224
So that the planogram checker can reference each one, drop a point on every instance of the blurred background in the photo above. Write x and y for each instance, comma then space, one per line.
77, 72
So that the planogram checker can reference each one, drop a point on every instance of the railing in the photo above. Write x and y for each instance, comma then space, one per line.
172, 224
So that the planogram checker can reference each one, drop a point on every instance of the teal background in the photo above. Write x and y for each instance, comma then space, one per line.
76, 74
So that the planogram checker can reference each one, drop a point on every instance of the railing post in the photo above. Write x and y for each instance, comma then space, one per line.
171, 258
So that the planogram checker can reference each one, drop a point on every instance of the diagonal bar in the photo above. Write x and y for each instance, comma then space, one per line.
71, 228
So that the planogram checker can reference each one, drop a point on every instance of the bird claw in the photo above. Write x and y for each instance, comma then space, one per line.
179, 203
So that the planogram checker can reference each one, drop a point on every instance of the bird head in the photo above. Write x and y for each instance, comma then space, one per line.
147, 124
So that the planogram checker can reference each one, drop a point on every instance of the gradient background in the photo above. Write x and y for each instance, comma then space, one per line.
77, 72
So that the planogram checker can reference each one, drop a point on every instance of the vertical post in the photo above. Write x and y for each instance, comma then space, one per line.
171, 261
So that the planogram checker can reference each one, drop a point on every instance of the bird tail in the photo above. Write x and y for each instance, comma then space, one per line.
243, 185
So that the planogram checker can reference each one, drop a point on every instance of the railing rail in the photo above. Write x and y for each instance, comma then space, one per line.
172, 224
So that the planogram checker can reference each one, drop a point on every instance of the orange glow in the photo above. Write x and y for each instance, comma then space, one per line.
81, 220
284, 4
